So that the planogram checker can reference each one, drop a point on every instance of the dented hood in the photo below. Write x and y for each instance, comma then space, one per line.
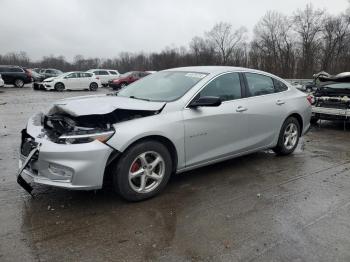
102, 104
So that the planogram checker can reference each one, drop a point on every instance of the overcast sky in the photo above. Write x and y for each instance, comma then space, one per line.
104, 28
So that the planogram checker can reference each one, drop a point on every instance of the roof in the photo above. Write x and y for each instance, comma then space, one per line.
215, 69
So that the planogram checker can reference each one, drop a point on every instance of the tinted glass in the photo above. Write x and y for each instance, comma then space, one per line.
85, 75
73, 75
279, 86
162, 86
16, 70
3, 69
259, 84
227, 87
112, 72
103, 73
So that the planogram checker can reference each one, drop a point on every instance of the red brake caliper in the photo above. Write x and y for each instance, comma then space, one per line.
135, 166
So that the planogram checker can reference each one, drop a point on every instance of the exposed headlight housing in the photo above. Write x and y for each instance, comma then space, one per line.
79, 137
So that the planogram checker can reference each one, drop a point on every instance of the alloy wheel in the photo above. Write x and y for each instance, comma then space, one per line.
290, 136
146, 172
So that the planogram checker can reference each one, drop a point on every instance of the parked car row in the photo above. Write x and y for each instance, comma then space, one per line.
46, 79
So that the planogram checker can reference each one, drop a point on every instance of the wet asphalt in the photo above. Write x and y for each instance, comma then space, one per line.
254, 208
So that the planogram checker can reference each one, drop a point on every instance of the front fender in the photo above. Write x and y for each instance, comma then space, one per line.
168, 125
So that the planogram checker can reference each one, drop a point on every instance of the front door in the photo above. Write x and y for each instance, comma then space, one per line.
215, 132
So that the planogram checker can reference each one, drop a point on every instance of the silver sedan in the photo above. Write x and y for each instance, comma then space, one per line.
169, 122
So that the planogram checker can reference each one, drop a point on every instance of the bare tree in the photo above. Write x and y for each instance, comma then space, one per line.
308, 24
335, 35
225, 40
273, 45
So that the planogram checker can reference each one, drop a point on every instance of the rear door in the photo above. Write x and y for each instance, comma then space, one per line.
72, 81
104, 76
264, 110
85, 80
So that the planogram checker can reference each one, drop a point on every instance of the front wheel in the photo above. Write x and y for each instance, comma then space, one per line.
19, 83
143, 171
59, 87
93, 86
289, 137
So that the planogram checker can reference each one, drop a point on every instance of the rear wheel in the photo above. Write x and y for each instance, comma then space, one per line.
143, 171
59, 87
19, 83
93, 86
289, 137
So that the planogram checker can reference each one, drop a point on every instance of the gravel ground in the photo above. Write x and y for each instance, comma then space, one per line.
255, 208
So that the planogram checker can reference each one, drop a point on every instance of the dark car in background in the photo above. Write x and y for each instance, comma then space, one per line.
15, 75
50, 72
331, 100
126, 79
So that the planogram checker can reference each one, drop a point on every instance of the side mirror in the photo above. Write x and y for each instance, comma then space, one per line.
206, 101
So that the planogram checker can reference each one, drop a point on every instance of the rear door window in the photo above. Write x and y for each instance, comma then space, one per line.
16, 70
259, 84
279, 86
103, 72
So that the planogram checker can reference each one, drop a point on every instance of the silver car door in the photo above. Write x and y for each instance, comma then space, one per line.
215, 132
264, 111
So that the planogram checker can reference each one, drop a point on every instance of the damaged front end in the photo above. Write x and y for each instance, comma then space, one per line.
70, 149
331, 101
62, 128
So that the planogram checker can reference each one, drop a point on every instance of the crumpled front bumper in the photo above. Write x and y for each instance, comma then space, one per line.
74, 166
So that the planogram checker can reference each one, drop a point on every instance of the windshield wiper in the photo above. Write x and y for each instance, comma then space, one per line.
139, 98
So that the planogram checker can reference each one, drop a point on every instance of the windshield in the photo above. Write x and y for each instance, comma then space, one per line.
126, 74
163, 86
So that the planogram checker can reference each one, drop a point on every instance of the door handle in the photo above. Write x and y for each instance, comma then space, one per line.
241, 109
280, 102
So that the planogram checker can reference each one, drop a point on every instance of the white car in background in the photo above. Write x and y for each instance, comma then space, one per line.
72, 81
2, 83
105, 75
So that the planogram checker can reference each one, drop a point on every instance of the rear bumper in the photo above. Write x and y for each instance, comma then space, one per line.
75, 166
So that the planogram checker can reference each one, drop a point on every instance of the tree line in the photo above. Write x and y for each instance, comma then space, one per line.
294, 46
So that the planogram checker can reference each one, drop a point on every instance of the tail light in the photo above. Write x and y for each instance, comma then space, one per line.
311, 99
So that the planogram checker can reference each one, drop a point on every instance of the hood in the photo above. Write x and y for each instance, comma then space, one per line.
102, 104
49, 79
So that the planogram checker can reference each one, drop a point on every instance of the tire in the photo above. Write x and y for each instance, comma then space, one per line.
93, 86
19, 83
59, 87
292, 127
131, 189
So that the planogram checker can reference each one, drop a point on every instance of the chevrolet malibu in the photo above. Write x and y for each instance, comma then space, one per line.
169, 122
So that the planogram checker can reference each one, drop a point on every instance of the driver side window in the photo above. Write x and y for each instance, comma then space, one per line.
227, 87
